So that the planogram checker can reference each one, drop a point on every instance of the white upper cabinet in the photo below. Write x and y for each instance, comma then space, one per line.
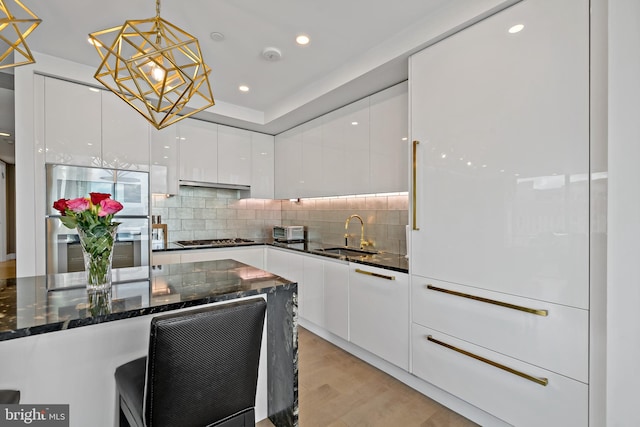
288, 164
198, 148
345, 147
234, 156
125, 135
262, 166
503, 154
388, 145
312, 180
86, 126
356, 149
72, 123
164, 161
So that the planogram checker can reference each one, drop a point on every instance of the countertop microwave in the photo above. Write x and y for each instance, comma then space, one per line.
289, 233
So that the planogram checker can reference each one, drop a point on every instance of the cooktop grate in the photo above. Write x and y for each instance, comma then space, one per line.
211, 242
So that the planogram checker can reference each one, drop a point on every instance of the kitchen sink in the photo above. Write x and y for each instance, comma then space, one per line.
348, 252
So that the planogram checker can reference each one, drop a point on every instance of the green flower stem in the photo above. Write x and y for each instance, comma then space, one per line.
97, 249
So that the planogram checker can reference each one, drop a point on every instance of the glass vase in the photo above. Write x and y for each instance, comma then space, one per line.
97, 250
99, 302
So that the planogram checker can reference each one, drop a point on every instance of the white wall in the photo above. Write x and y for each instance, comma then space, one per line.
623, 289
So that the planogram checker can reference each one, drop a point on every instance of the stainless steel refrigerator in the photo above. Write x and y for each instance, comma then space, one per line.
131, 188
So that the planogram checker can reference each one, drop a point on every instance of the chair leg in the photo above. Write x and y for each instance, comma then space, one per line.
123, 419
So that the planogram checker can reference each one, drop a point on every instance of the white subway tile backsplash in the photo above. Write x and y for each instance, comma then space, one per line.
202, 213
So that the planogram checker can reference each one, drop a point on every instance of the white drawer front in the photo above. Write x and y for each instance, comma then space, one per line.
379, 312
557, 342
516, 400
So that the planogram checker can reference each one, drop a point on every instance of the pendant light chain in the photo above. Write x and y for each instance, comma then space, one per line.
158, 36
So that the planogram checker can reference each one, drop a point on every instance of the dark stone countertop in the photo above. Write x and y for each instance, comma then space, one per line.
42, 304
386, 260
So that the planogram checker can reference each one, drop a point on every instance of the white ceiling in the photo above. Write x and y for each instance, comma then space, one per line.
357, 47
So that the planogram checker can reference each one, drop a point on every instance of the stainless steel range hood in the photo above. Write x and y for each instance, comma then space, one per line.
214, 185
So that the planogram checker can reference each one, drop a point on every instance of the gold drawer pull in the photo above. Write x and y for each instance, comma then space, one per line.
537, 380
369, 273
491, 301
414, 187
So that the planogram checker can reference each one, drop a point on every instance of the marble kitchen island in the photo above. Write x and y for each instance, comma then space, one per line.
59, 346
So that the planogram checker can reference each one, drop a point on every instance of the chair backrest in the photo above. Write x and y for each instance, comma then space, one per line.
203, 364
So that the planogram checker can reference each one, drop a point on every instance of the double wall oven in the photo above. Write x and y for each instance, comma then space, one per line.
131, 188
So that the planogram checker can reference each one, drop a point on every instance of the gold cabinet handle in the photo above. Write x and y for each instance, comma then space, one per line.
370, 273
491, 301
414, 188
537, 380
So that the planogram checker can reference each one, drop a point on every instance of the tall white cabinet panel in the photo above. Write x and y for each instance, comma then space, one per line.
345, 146
336, 298
198, 148
234, 156
388, 145
379, 312
72, 123
313, 166
125, 135
164, 161
262, 166
288, 164
502, 122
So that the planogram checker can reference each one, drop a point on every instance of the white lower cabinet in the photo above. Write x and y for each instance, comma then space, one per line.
503, 386
311, 292
336, 298
323, 287
553, 336
379, 312
287, 264
253, 256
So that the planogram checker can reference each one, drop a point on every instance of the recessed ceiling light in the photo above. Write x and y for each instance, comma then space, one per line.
303, 39
272, 54
516, 28
243, 88
216, 36
405, 138
354, 123
4, 134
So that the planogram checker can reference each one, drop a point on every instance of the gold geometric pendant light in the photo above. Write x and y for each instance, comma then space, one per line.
13, 32
155, 67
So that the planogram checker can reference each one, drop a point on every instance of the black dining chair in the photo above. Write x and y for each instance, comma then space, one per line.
201, 369
9, 397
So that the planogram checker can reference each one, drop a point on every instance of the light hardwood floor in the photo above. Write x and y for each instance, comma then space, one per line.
337, 389
8, 269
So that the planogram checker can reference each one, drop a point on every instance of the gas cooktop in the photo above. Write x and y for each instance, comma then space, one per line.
211, 243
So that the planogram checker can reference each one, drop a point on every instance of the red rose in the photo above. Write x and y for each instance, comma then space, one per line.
61, 206
96, 198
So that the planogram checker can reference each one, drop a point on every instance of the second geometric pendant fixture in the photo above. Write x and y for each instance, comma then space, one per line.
155, 67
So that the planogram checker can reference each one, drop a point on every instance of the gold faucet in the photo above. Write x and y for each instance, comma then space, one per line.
363, 242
